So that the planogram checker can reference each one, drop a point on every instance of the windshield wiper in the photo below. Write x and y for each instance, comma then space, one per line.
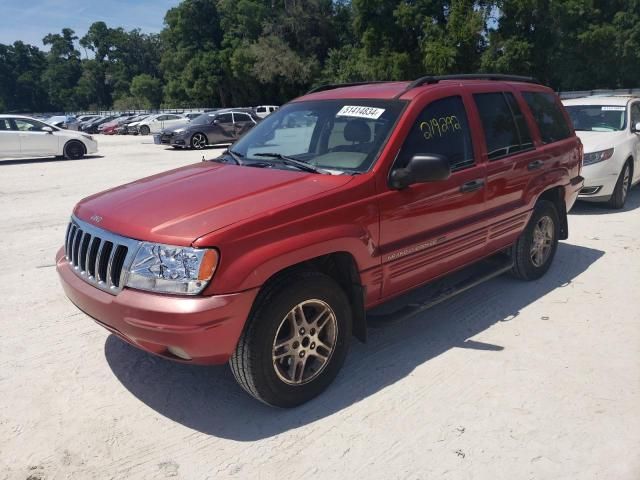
294, 163
236, 156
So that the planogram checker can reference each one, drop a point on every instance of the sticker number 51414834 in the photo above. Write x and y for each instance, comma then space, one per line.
439, 127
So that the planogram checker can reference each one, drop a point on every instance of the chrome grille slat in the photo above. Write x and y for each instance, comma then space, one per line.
99, 257
84, 251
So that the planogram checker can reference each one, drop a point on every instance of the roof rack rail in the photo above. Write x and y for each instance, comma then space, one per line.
332, 86
430, 79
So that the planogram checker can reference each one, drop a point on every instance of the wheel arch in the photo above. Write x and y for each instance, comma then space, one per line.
341, 267
74, 140
556, 195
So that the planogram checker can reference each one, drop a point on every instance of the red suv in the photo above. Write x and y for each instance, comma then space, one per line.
272, 256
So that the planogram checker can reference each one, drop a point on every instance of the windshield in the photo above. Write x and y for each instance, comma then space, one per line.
203, 119
344, 135
598, 118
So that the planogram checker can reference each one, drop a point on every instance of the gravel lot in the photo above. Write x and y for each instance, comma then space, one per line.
508, 381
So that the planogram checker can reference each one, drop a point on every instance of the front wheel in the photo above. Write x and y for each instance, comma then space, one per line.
74, 150
295, 340
144, 130
623, 185
534, 250
199, 141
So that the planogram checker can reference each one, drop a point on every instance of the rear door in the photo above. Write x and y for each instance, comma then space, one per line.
9, 139
33, 140
430, 229
512, 160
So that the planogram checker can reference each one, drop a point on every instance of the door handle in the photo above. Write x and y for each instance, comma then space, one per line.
472, 186
535, 165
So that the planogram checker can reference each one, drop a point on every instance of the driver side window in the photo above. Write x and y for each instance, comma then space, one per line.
24, 125
441, 128
635, 114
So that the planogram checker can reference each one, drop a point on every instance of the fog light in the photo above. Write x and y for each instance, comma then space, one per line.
178, 352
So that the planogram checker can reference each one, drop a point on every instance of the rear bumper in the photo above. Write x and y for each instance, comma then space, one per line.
206, 328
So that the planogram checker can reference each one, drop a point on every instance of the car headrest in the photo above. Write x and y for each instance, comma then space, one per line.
357, 131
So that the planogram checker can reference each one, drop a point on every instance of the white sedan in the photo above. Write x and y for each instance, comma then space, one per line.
27, 137
609, 128
158, 122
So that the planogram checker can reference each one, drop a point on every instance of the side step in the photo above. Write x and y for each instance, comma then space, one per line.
420, 299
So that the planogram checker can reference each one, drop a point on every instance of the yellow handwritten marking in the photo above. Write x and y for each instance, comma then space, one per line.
439, 127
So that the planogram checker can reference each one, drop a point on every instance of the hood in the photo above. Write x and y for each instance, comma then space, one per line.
596, 141
179, 206
176, 127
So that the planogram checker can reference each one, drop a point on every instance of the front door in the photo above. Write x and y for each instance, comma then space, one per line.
225, 130
9, 139
635, 119
241, 122
430, 229
33, 140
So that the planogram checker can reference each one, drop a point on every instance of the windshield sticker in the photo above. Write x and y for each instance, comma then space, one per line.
439, 127
360, 112
614, 109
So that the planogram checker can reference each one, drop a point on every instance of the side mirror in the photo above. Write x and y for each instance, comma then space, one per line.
421, 169
47, 129
635, 128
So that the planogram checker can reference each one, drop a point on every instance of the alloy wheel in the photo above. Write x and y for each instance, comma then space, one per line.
304, 342
198, 141
542, 243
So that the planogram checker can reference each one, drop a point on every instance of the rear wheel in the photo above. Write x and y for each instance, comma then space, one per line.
74, 150
199, 141
295, 340
533, 252
623, 185
144, 130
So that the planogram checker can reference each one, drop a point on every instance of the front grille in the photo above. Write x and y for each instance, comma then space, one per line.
99, 257
166, 137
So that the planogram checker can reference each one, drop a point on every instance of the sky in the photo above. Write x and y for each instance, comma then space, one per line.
31, 21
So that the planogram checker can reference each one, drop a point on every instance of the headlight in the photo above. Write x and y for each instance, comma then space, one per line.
180, 130
595, 157
170, 269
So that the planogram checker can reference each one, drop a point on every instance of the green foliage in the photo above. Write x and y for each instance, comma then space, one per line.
243, 52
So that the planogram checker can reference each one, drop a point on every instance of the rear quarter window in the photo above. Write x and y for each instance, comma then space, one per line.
548, 115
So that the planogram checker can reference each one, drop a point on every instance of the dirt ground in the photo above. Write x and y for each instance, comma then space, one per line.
508, 381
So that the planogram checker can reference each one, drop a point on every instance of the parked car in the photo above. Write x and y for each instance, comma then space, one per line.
92, 127
123, 129
263, 110
609, 128
27, 137
156, 123
68, 122
273, 255
222, 126
109, 128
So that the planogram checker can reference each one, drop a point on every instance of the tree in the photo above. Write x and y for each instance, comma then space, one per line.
147, 89
63, 69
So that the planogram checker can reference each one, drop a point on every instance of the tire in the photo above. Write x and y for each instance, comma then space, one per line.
623, 185
199, 141
309, 357
535, 249
144, 130
74, 150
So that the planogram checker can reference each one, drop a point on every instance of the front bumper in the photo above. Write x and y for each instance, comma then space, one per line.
600, 180
206, 328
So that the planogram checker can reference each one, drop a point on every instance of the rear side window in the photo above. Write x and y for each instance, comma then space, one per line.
547, 114
441, 128
505, 129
